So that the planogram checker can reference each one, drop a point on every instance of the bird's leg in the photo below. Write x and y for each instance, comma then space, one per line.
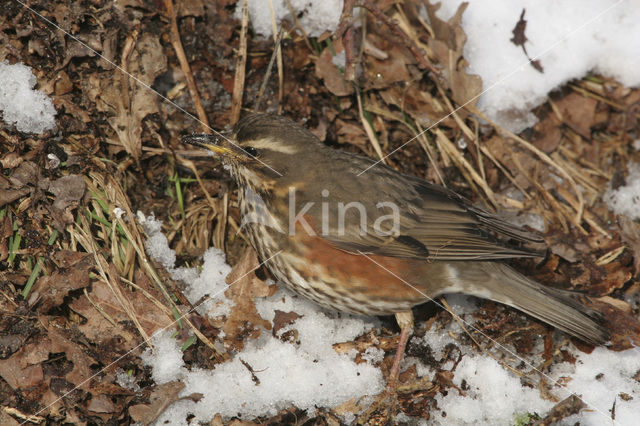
405, 321
385, 404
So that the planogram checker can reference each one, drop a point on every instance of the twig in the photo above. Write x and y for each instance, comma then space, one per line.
293, 14
367, 128
274, 27
184, 65
267, 74
238, 82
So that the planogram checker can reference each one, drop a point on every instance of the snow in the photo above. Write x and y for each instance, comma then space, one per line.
307, 375
495, 396
31, 111
317, 17
570, 38
600, 379
210, 281
625, 200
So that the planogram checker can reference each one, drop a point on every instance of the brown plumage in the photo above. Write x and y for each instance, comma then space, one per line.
306, 202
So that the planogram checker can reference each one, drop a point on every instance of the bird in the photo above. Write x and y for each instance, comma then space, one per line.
354, 235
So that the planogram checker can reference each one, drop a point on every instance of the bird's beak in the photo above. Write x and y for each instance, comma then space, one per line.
210, 142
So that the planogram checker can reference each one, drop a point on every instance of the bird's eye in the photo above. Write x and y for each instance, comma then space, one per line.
251, 151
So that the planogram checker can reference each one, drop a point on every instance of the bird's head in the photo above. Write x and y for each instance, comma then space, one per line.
262, 150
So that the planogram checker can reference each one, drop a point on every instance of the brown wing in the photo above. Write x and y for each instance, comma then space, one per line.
435, 223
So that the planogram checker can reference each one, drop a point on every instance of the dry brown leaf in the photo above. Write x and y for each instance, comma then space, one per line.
7, 420
614, 276
25, 174
418, 103
352, 134
100, 330
329, 72
578, 112
547, 134
244, 320
630, 233
162, 396
282, 319
617, 303
11, 160
146, 62
190, 8
101, 404
563, 409
25, 368
73, 274
68, 191
447, 45
17, 375
10, 195
383, 72
519, 39
623, 327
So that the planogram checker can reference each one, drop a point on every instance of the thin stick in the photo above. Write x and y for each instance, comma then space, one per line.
267, 74
238, 82
274, 27
298, 26
371, 135
186, 68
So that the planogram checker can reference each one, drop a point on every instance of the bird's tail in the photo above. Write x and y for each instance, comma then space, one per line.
559, 308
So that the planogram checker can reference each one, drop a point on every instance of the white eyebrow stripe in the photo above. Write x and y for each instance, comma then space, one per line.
271, 144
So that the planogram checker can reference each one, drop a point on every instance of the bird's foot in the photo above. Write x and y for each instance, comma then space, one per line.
383, 409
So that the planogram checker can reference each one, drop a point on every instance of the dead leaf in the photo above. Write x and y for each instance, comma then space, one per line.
24, 369
447, 45
101, 404
421, 105
11, 160
547, 134
162, 396
102, 304
578, 112
563, 409
610, 277
18, 376
623, 327
7, 420
282, 319
352, 134
50, 290
190, 8
244, 319
630, 233
329, 72
26, 173
619, 304
10, 195
519, 39
129, 101
382, 73
68, 191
